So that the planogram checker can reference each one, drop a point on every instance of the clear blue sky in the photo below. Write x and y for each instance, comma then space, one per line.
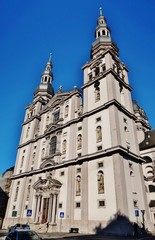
30, 29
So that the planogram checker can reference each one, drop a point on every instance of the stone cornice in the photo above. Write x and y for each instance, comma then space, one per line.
104, 74
31, 119
80, 118
88, 157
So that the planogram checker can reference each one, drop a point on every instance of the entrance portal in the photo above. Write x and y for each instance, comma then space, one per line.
45, 210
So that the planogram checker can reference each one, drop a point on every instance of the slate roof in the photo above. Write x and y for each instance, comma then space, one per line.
149, 140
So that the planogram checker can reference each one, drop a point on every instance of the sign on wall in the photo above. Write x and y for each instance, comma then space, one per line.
61, 214
29, 213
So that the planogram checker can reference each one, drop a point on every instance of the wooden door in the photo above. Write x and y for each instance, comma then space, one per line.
45, 210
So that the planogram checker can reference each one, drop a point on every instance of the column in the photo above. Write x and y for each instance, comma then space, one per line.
36, 207
41, 208
50, 209
55, 212
53, 208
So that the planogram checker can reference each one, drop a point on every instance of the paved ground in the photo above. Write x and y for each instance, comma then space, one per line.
77, 236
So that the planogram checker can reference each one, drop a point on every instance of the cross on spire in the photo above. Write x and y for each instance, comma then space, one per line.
50, 58
101, 11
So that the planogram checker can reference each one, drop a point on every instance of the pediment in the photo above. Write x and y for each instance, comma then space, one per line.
95, 64
45, 185
47, 163
51, 127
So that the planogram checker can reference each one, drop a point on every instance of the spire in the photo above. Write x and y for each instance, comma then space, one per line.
46, 79
102, 29
47, 74
103, 35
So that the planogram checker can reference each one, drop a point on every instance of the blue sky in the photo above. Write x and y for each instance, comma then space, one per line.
30, 29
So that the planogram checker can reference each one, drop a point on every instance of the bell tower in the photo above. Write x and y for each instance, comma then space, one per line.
110, 122
42, 95
106, 88
45, 88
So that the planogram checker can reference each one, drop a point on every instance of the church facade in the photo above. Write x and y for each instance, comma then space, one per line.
78, 160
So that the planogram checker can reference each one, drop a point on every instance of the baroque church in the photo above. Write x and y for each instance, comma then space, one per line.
84, 156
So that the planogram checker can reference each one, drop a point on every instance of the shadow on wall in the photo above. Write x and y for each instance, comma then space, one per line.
121, 225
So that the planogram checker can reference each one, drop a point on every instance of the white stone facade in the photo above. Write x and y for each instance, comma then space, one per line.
80, 158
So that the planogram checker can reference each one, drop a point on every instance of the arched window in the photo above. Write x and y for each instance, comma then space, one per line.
103, 32
43, 152
126, 132
64, 145
99, 134
78, 185
79, 141
132, 177
28, 130
66, 110
34, 154
38, 129
28, 192
151, 188
22, 161
16, 194
56, 115
53, 145
97, 94
47, 121
100, 182
97, 71
122, 96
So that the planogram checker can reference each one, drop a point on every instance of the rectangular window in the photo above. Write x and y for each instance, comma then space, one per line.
98, 119
60, 205
14, 213
100, 164
99, 148
26, 206
79, 128
135, 204
101, 203
62, 173
78, 205
14, 207
78, 170
79, 154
